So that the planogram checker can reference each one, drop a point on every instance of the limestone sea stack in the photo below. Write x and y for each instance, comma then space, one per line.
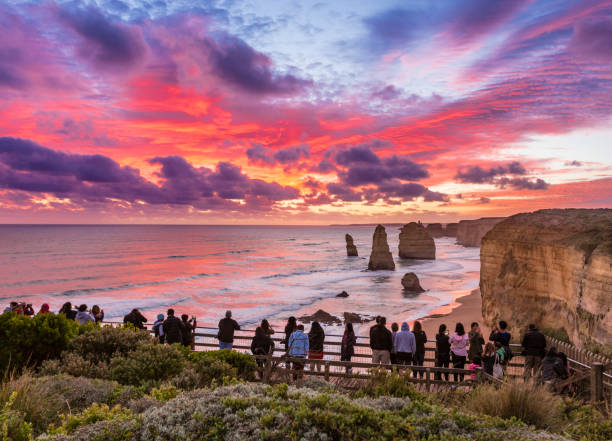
435, 230
411, 283
450, 230
351, 249
416, 243
381, 258
552, 268
471, 232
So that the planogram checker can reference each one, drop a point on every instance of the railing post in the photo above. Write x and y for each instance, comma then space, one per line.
479, 375
596, 382
428, 379
327, 371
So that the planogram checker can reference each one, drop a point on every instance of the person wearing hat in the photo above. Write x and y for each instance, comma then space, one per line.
227, 326
158, 329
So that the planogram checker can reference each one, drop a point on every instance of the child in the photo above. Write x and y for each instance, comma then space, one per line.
476, 363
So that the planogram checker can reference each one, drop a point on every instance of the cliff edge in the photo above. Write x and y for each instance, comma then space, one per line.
471, 232
552, 268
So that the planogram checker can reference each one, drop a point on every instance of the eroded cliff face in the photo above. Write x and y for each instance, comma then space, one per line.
552, 268
471, 232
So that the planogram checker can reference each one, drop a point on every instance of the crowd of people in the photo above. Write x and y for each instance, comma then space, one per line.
396, 346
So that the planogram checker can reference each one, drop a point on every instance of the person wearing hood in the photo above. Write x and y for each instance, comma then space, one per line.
405, 344
158, 329
298, 348
44, 309
83, 316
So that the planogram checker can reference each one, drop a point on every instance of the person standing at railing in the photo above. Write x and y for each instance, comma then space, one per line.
290, 328
262, 344
173, 328
381, 342
265, 326
298, 348
136, 319
443, 348
459, 341
97, 313
394, 330
316, 341
419, 355
347, 348
158, 329
476, 342
227, 326
534, 349
405, 345
188, 330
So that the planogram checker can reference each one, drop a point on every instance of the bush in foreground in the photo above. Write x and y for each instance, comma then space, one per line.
529, 402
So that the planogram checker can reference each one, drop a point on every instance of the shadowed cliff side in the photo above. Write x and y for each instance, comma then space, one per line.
553, 268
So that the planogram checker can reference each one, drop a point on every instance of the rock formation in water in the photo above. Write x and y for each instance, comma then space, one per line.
342, 294
416, 243
351, 249
552, 268
451, 229
471, 232
410, 282
324, 318
353, 317
435, 230
381, 258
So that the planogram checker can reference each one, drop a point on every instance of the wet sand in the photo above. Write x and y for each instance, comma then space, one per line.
466, 309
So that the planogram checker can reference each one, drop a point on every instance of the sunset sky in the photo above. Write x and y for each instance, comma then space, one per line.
302, 112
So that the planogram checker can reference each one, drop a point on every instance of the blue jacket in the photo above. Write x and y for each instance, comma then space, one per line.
298, 344
404, 340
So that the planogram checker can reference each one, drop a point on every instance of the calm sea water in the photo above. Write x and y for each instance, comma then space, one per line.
258, 272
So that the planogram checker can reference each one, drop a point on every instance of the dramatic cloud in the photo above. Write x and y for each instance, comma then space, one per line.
108, 44
235, 61
27, 166
261, 155
497, 176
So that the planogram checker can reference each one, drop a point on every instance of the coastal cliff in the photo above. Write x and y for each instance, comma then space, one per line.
552, 268
416, 243
471, 232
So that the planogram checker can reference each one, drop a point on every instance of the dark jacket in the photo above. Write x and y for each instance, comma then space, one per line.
288, 331
534, 343
488, 362
476, 342
262, 345
227, 326
316, 339
552, 368
173, 329
421, 339
443, 347
187, 332
381, 338
347, 348
501, 336
135, 318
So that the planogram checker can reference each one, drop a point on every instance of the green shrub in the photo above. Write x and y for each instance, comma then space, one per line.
387, 383
149, 364
74, 364
13, 426
165, 392
101, 344
529, 402
96, 412
31, 340
586, 423
244, 363
202, 372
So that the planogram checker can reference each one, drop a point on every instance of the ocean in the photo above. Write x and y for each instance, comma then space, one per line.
258, 272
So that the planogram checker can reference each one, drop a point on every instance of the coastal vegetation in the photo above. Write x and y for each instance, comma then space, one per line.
111, 384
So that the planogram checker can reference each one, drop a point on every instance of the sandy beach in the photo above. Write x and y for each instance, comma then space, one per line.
466, 310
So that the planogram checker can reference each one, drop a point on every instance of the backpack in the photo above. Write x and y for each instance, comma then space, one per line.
498, 370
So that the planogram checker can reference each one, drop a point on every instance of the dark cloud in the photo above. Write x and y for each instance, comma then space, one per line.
478, 175
25, 165
361, 154
343, 192
325, 166
261, 155
573, 164
387, 93
236, 62
498, 176
108, 44
392, 167
593, 39
523, 183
